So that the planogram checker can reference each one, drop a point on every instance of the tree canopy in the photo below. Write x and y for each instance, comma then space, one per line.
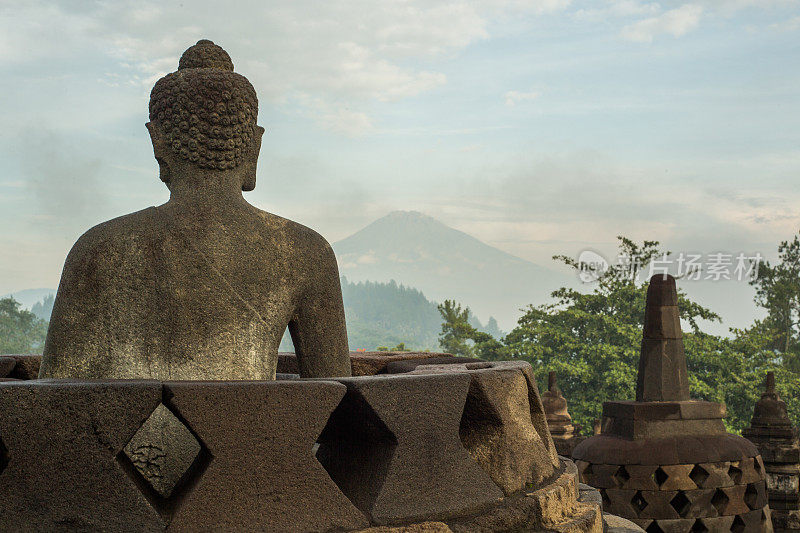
592, 340
21, 332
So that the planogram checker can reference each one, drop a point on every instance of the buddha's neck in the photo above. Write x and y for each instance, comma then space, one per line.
207, 189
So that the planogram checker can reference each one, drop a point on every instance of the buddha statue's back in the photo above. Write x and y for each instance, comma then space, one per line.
204, 286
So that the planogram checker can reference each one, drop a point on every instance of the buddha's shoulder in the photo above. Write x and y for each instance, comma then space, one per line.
117, 233
299, 238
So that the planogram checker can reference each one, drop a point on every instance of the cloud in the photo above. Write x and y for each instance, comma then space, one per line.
67, 186
792, 24
514, 97
345, 54
618, 8
676, 22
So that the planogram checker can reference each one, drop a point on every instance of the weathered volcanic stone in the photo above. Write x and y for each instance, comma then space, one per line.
7, 364
204, 286
552, 508
162, 451
260, 437
62, 441
371, 363
559, 420
392, 446
778, 441
20, 366
664, 461
662, 366
503, 426
408, 365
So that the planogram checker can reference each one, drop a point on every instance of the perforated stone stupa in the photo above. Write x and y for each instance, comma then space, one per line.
665, 461
559, 420
777, 440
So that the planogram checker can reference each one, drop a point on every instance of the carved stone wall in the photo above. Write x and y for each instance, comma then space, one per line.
287, 455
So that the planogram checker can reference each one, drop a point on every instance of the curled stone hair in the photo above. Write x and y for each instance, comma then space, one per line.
206, 111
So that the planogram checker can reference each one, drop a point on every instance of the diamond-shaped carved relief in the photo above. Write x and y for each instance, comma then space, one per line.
681, 504
699, 527
699, 475
738, 525
720, 501
162, 451
660, 476
654, 528
638, 502
735, 473
751, 497
621, 476
354, 436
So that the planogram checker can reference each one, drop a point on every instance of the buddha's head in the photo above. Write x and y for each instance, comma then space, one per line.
203, 118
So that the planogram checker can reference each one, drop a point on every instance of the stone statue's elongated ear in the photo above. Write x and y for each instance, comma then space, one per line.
249, 165
161, 152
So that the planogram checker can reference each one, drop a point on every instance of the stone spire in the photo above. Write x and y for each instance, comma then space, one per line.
555, 405
779, 443
662, 364
559, 420
770, 410
657, 455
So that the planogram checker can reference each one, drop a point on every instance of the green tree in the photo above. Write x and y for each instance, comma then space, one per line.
778, 291
20, 331
592, 340
460, 337
456, 334
399, 348
44, 308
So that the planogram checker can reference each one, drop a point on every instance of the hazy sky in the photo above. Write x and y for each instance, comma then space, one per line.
540, 127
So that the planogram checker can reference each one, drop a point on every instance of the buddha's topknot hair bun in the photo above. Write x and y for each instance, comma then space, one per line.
205, 54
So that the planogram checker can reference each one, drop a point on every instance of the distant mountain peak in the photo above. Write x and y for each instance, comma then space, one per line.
410, 218
420, 251
408, 215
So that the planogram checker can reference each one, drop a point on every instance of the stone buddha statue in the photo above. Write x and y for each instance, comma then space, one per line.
203, 286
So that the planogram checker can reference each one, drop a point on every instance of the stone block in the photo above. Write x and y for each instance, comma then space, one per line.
408, 365
497, 430
372, 363
262, 474
681, 449
658, 504
676, 477
552, 508
7, 364
26, 367
621, 502
393, 447
642, 477
62, 441
662, 322
662, 374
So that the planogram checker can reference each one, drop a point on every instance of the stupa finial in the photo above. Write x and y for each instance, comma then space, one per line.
662, 364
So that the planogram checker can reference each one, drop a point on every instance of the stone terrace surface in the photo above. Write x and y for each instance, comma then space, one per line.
372, 363
288, 455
